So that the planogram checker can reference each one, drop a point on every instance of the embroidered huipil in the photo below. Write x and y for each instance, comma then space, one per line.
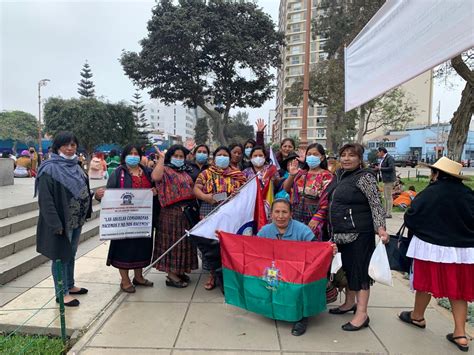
175, 186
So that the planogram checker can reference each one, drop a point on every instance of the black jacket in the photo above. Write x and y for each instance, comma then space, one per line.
387, 169
443, 214
53, 201
349, 209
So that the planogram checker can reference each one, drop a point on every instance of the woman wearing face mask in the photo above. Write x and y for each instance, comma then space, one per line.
131, 254
212, 186
250, 143
175, 191
65, 202
308, 190
261, 164
200, 161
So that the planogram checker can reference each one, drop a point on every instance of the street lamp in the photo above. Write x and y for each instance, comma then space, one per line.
41, 83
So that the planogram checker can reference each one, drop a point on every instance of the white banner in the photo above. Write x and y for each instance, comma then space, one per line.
404, 39
126, 214
234, 216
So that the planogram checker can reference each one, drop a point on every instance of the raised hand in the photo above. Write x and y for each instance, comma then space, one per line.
160, 154
293, 167
260, 125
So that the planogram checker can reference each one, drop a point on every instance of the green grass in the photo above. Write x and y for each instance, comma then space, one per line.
31, 345
444, 302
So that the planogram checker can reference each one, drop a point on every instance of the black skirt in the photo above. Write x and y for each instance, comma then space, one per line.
355, 261
130, 253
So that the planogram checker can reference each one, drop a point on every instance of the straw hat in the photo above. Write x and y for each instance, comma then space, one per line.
448, 166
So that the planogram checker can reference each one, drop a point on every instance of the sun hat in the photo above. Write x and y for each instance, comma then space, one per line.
448, 166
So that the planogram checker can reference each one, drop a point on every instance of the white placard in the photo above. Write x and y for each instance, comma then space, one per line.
126, 214
403, 40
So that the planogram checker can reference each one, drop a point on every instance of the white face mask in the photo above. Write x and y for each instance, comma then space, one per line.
69, 157
258, 161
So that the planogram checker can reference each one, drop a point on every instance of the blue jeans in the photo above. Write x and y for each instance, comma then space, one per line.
68, 267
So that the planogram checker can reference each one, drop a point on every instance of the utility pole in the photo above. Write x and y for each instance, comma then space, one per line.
437, 131
41, 83
307, 58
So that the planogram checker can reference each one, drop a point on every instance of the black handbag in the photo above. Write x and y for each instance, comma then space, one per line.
191, 213
397, 249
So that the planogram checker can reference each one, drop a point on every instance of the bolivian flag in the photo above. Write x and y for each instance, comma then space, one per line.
279, 279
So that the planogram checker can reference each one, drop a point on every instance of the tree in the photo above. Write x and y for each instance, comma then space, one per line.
86, 86
18, 126
201, 130
92, 121
206, 53
239, 128
460, 64
140, 121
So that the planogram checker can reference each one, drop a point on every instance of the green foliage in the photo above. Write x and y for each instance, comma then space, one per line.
206, 53
86, 86
94, 122
37, 345
18, 126
140, 120
201, 131
239, 128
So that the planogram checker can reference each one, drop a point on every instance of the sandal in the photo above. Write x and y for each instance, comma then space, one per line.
178, 284
184, 278
147, 283
453, 339
406, 317
210, 283
129, 289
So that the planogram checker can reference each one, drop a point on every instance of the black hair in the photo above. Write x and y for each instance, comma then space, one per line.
412, 188
282, 200
233, 145
173, 149
291, 140
320, 149
382, 149
356, 148
444, 176
218, 149
63, 138
126, 151
112, 153
259, 147
199, 146
250, 141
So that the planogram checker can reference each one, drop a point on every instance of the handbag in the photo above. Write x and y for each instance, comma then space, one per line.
397, 249
191, 213
331, 292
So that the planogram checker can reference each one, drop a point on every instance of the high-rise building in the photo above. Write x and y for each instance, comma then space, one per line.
174, 120
288, 119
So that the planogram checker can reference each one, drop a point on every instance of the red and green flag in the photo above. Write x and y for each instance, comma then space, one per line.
279, 279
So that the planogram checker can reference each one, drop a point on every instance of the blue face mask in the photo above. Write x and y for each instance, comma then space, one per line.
222, 161
313, 161
177, 162
201, 158
247, 152
132, 160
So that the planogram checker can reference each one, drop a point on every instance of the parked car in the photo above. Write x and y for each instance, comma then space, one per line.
406, 160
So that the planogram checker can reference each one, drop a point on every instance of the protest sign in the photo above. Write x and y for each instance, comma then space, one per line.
126, 214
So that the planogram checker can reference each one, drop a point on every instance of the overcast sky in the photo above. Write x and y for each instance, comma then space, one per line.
52, 39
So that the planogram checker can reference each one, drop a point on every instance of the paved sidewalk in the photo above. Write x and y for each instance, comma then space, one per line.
163, 320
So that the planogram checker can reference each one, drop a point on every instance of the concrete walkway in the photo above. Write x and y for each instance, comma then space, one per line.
162, 320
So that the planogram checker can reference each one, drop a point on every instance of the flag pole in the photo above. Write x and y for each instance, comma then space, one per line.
148, 268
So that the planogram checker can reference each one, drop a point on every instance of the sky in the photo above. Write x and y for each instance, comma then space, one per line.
52, 39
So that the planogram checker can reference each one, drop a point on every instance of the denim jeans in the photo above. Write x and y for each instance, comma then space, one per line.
68, 267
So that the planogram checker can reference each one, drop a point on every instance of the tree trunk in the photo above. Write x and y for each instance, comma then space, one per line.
460, 124
361, 126
217, 124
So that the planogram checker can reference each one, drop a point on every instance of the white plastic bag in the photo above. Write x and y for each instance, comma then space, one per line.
379, 268
336, 263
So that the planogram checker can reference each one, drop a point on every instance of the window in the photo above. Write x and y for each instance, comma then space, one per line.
321, 111
152, 117
296, 6
323, 55
296, 27
293, 123
292, 112
320, 121
321, 133
297, 17
295, 38
291, 133
296, 49
292, 80
295, 59
151, 110
295, 70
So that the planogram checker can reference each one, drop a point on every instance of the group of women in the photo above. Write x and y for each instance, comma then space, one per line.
343, 207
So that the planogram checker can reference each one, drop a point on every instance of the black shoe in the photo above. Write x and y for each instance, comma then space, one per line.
185, 278
338, 310
349, 327
453, 339
299, 328
73, 303
82, 291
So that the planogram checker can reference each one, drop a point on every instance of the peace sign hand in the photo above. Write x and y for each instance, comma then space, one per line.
160, 154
